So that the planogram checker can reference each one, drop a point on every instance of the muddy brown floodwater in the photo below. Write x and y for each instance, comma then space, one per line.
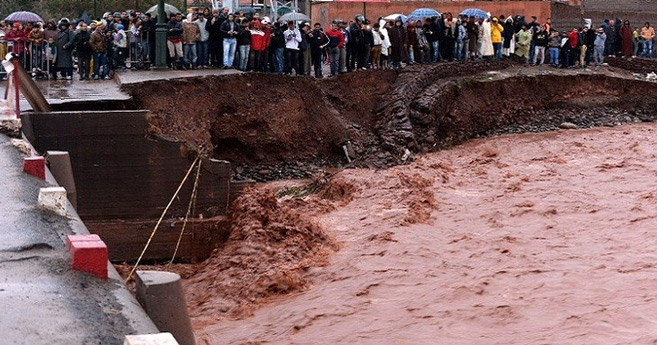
527, 239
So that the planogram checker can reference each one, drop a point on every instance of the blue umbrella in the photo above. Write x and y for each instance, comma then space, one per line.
474, 12
422, 13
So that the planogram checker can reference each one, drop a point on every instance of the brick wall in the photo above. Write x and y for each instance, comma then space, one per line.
566, 17
324, 13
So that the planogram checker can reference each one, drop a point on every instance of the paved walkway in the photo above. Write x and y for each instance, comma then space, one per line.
42, 300
63, 91
131, 77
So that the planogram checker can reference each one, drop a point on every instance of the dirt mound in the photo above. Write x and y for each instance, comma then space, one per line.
269, 247
465, 109
273, 127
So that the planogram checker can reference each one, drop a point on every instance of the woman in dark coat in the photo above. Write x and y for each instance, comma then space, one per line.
84, 51
64, 59
509, 31
412, 42
398, 43
627, 39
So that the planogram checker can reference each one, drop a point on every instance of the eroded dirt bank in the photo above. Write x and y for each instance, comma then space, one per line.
523, 239
274, 127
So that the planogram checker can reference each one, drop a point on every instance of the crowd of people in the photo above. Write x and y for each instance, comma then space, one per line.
219, 39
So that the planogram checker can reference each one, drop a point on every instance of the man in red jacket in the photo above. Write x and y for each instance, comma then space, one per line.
259, 44
336, 41
573, 41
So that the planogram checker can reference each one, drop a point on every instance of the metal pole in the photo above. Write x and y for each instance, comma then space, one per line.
17, 85
184, 8
95, 10
160, 38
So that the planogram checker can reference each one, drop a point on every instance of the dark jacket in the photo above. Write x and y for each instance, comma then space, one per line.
64, 43
398, 40
318, 39
541, 38
229, 29
429, 33
214, 28
174, 29
508, 34
368, 37
473, 31
590, 38
610, 31
277, 39
145, 31
81, 43
244, 37
356, 35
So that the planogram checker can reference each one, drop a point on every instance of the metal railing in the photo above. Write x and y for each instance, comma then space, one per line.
34, 57
139, 50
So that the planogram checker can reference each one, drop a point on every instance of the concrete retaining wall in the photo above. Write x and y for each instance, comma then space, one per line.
124, 180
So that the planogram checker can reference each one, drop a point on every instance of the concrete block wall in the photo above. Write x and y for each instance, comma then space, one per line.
636, 11
124, 180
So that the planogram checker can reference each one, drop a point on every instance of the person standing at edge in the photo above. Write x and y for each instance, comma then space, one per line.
83, 48
318, 40
292, 39
229, 31
599, 47
202, 46
647, 35
64, 58
496, 30
174, 39
336, 44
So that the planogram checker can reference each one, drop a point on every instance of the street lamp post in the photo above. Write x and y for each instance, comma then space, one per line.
160, 38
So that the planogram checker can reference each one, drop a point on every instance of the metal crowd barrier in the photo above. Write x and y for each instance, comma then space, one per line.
33, 58
139, 50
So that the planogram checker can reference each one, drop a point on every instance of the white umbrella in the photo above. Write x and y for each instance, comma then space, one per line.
168, 10
293, 17
393, 17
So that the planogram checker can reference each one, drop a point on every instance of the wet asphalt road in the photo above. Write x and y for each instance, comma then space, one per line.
42, 301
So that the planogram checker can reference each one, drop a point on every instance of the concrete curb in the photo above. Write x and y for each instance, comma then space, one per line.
132, 311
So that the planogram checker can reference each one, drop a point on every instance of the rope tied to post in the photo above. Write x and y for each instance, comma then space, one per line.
166, 209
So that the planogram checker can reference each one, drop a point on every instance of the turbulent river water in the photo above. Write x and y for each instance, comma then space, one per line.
544, 238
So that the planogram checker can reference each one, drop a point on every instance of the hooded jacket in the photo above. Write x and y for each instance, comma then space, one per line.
496, 30
18, 37
191, 33
259, 37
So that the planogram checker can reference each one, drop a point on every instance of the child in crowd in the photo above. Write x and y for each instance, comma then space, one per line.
51, 54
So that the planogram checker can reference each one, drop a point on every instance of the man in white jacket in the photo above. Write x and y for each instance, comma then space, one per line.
385, 43
292, 39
